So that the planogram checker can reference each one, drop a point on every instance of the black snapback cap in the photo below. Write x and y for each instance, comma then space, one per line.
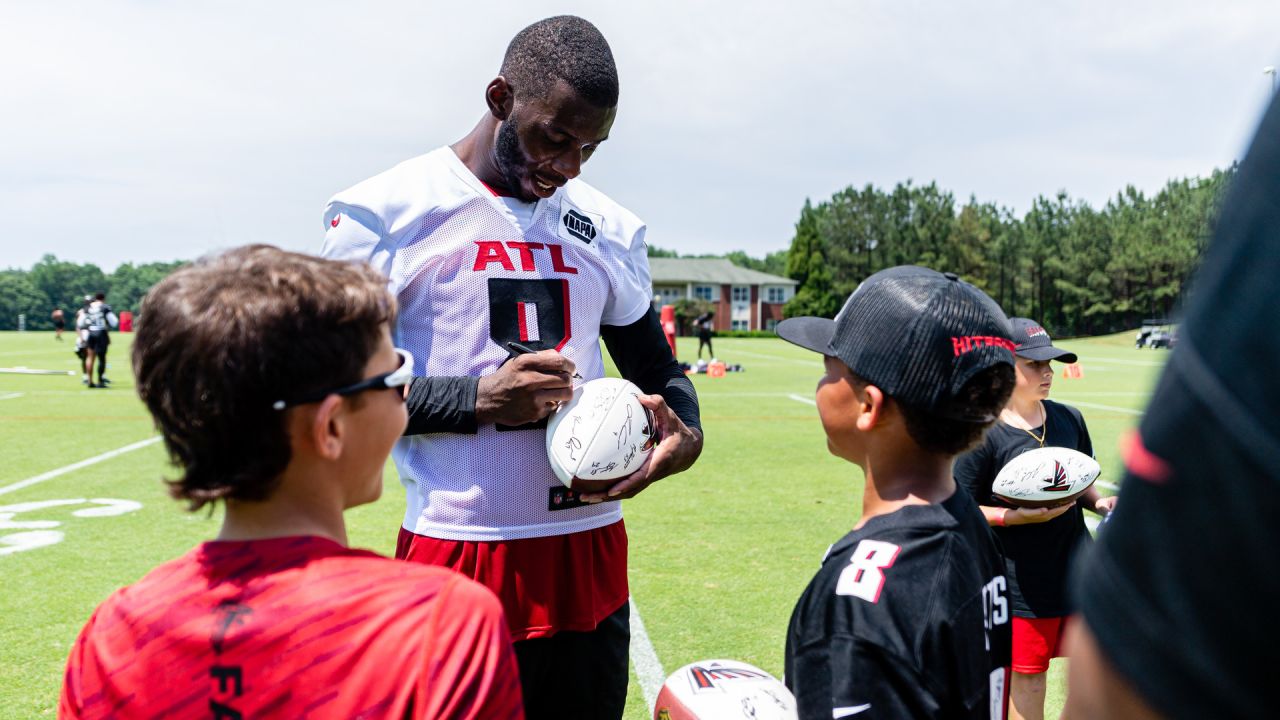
917, 334
1033, 342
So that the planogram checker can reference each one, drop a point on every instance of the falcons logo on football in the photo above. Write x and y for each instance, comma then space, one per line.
1060, 481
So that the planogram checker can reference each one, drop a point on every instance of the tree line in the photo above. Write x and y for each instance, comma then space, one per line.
1076, 269
52, 283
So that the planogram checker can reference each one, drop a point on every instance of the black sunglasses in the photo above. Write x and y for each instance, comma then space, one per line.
397, 378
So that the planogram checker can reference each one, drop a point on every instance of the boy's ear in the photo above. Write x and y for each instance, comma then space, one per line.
326, 430
871, 407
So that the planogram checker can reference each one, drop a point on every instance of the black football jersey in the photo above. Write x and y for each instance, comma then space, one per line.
907, 618
1037, 555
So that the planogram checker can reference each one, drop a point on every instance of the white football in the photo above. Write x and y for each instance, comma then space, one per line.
1045, 477
723, 689
599, 436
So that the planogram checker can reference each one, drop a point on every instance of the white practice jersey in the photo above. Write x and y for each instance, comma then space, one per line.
469, 281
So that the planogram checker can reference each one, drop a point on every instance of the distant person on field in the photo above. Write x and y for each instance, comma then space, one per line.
59, 322
1178, 596
82, 338
704, 323
272, 377
1039, 543
908, 616
97, 321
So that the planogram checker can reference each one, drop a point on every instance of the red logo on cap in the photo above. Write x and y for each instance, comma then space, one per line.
962, 345
334, 221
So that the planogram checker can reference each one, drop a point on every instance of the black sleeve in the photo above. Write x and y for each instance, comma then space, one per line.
973, 472
642, 355
442, 404
1086, 443
1181, 587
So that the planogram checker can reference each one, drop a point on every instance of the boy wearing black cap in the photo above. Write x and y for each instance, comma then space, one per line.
1039, 543
908, 616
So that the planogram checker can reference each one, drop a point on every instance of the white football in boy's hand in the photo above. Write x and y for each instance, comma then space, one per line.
1045, 477
600, 436
723, 689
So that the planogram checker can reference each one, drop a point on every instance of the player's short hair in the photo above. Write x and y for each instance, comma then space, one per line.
564, 47
985, 394
223, 338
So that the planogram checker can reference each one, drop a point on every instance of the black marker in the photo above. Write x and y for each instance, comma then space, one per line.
519, 349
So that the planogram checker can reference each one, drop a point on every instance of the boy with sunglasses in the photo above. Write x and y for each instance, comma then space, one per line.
277, 617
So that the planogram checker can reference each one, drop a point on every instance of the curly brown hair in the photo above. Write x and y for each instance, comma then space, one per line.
220, 340
935, 430
985, 394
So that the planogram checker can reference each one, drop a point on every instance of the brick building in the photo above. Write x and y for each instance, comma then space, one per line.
743, 299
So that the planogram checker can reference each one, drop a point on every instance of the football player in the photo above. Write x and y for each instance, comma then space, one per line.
494, 240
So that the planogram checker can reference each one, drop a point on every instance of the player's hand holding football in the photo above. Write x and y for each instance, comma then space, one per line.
677, 449
525, 389
1027, 516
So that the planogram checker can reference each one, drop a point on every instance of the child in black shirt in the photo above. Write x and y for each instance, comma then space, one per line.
908, 616
1039, 543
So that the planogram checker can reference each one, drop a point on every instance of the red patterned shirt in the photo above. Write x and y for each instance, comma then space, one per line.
297, 627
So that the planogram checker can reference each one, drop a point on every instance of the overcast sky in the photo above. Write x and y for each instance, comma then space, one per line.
140, 131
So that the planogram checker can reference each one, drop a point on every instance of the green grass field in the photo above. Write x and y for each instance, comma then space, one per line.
718, 554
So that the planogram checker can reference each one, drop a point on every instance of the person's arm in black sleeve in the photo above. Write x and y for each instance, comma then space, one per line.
973, 472
1086, 442
642, 355
1092, 499
641, 352
522, 390
441, 404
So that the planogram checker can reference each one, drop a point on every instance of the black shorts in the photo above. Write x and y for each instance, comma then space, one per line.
98, 342
577, 674
59, 324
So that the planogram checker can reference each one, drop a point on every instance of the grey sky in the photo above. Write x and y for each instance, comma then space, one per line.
139, 131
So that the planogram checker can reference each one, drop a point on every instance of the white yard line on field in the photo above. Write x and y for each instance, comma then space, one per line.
76, 466
1112, 408
15, 353
79, 391
1068, 394
766, 356
1107, 486
645, 659
1097, 406
10, 396
736, 394
1092, 523
1118, 361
